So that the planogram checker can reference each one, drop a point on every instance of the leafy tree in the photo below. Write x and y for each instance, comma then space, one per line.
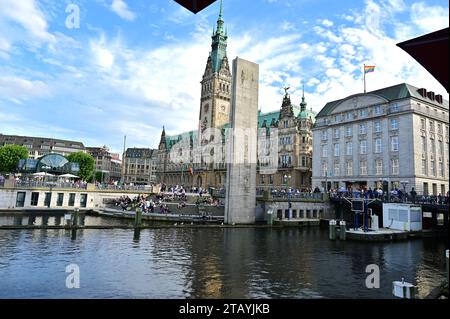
99, 176
86, 162
10, 156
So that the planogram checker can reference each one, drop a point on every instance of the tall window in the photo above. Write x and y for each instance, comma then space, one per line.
337, 170
349, 168
362, 112
377, 127
34, 198
349, 131
394, 143
441, 148
441, 169
362, 129
303, 161
394, 124
363, 168
433, 167
378, 145
337, 118
324, 169
433, 146
349, 148
424, 167
432, 126
379, 167
324, 151
422, 124
394, 163
423, 143
378, 110
324, 135
439, 128
349, 116
337, 133
363, 147
337, 150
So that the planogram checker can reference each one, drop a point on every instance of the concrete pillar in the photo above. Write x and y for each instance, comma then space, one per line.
332, 229
270, 216
446, 263
75, 217
68, 220
138, 218
240, 201
136, 235
342, 228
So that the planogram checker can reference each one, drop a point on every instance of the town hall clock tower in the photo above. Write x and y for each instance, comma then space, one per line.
216, 83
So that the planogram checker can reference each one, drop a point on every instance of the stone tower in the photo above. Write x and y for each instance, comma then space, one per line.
216, 83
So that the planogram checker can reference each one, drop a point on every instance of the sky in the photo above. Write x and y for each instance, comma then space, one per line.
128, 67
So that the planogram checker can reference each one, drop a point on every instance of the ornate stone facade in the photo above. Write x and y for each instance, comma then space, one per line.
293, 122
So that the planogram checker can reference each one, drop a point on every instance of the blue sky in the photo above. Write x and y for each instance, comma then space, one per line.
135, 65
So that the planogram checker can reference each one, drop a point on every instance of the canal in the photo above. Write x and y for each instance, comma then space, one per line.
208, 263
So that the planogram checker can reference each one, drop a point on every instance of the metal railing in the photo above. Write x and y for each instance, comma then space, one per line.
406, 199
297, 196
47, 184
140, 188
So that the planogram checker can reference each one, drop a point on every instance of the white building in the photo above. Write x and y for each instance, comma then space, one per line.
398, 135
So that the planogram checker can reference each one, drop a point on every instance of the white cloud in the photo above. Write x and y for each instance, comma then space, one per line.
102, 56
121, 8
429, 18
16, 89
26, 13
327, 23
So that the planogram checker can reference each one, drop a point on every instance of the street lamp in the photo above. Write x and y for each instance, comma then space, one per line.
287, 178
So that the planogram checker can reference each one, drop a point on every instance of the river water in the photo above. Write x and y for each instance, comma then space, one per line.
208, 263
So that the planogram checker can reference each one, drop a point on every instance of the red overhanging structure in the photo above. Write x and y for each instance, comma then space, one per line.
431, 51
195, 5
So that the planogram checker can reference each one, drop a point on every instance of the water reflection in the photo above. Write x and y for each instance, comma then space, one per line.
209, 263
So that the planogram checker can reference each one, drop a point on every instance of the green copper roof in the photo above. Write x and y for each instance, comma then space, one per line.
219, 43
269, 117
392, 93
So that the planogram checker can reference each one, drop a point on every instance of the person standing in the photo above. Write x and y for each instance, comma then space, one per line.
413, 194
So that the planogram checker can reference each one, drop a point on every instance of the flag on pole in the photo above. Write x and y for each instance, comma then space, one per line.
369, 68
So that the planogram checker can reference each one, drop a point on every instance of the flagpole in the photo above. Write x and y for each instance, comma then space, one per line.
364, 72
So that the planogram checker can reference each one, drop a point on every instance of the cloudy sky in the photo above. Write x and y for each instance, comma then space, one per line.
133, 66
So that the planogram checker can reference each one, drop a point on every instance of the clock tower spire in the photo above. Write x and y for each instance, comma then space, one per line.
216, 83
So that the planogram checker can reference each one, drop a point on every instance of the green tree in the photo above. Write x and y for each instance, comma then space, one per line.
99, 177
86, 162
10, 156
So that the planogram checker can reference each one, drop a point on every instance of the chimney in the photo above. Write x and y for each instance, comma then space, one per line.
423, 92
439, 99
431, 95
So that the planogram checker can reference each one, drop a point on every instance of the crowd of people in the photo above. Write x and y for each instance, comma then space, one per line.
145, 203
395, 195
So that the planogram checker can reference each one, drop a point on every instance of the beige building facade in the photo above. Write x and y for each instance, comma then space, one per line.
396, 136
